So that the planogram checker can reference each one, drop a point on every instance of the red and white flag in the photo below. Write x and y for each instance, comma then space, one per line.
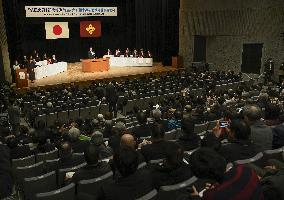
56, 30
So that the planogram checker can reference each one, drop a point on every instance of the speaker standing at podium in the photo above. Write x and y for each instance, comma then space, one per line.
91, 53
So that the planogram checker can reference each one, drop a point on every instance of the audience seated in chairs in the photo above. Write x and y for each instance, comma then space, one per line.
98, 141
94, 167
132, 184
67, 159
18, 150
78, 145
143, 129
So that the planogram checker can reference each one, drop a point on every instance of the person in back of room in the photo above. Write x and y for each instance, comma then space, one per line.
117, 53
127, 52
91, 53
53, 59
109, 52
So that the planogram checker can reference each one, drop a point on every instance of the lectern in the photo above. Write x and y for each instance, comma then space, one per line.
21, 78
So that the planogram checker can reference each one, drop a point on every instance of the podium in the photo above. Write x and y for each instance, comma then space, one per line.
95, 65
177, 62
22, 78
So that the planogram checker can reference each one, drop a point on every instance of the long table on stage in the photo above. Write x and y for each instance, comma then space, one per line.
95, 65
129, 61
45, 70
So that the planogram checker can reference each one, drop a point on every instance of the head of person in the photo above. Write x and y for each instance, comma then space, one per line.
91, 48
97, 138
126, 161
141, 117
187, 126
65, 150
74, 134
208, 164
158, 132
252, 114
157, 114
91, 154
128, 140
239, 130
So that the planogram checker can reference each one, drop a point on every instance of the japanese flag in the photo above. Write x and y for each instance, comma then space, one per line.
55, 30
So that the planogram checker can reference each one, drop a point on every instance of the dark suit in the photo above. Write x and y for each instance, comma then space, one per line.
20, 152
79, 146
91, 171
156, 150
91, 55
44, 148
14, 118
6, 180
112, 97
70, 161
31, 68
142, 130
128, 188
261, 135
167, 176
278, 137
238, 150
189, 142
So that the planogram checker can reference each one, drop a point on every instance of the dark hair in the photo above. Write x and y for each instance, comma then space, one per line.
91, 154
158, 131
126, 161
187, 125
141, 117
253, 113
208, 164
241, 129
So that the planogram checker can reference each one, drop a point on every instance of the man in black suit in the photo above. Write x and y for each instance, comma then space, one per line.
269, 70
112, 97
159, 146
173, 170
91, 53
94, 167
278, 136
143, 129
132, 184
67, 159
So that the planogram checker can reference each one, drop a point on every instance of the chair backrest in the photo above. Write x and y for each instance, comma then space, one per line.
29, 171
74, 114
250, 160
174, 191
142, 165
39, 184
170, 135
52, 165
274, 154
22, 162
66, 193
62, 173
156, 161
198, 128
149, 196
92, 186
50, 119
63, 116
85, 113
47, 156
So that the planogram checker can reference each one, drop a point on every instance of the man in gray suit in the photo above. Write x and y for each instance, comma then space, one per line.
261, 134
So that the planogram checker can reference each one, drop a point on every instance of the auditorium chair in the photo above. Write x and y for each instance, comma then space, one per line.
47, 156
51, 118
198, 128
149, 196
257, 160
211, 124
157, 161
85, 113
276, 154
52, 165
92, 186
39, 184
40, 118
104, 108
22, 162
94, 111
170, 192
64, 193
171, 135
62, 173
74, 114
142, 165
63, 116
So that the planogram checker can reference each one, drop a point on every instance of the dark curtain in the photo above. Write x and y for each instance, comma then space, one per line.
157, 27
144, 24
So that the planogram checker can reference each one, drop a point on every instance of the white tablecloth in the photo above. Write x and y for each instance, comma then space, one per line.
130, 62
44, 70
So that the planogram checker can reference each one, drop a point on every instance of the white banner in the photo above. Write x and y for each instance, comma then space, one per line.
54, 11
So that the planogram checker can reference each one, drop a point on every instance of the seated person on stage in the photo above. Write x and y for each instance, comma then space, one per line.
37, 58
109, 52
149, 54
117, 53
45, 57
91, 53
53, 59
127, 53
141, 55
135, 53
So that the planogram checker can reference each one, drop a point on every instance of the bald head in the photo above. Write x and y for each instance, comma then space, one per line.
128, 140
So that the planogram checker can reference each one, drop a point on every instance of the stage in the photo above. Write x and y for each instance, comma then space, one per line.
74, 74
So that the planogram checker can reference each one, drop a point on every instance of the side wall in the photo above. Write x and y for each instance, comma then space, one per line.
228, 25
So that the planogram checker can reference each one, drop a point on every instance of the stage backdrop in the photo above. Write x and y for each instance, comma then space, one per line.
149, 24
